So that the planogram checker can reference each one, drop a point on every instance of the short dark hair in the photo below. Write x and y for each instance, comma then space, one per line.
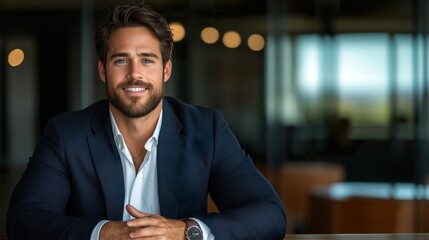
131, 15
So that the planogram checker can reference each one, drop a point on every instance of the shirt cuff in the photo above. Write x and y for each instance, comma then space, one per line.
207, 233
96, 231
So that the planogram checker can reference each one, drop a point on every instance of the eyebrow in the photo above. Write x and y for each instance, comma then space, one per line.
142, 54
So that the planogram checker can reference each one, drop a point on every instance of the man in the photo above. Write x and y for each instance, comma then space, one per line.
140, 165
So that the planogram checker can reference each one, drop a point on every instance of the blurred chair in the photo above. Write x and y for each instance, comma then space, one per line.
211, 206
293, 182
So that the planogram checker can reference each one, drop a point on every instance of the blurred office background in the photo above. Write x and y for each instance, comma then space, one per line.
329, 97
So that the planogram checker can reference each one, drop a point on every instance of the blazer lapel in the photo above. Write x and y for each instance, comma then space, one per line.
107, 163
170, 163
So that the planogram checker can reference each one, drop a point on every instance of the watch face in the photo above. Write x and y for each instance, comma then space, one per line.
194, 233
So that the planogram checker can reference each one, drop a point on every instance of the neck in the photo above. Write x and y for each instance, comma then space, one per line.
137, 129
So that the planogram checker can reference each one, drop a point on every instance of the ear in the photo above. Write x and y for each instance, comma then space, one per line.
167, 70
101, 71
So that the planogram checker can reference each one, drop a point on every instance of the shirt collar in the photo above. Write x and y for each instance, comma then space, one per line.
119, 140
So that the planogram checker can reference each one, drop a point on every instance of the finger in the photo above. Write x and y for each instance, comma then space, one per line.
158, 227
146, 232
152, 220
134, 212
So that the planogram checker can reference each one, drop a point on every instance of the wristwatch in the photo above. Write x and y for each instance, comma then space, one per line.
193, 230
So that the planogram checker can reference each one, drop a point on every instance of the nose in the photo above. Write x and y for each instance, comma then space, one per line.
134, 71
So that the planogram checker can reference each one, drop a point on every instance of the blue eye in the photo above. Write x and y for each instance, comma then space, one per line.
147, 61
121, 61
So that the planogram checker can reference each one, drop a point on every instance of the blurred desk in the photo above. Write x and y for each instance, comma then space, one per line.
352, 207
295, 180
415, 236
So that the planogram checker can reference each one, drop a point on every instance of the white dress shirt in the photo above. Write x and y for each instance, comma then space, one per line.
141, 188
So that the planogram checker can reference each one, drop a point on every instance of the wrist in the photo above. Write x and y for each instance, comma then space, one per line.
192, 230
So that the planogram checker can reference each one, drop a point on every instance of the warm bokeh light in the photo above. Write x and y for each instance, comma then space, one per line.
209, 35
256, 42
231, 39
178, 31
15, 57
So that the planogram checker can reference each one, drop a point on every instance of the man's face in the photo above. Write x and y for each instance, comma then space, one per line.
133, 73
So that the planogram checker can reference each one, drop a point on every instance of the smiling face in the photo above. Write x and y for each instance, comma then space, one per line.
133, 73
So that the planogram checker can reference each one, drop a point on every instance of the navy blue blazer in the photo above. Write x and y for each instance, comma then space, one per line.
74, 178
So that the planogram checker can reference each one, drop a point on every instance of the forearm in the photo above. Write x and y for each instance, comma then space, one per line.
248, 205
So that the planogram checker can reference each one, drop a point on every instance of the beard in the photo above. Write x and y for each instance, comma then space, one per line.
134, 107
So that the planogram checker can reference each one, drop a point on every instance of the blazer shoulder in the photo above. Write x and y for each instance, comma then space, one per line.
192, 118
182, 109
82, 113
81, 119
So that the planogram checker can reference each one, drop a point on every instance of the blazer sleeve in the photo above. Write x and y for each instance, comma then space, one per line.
39, 201
249, 208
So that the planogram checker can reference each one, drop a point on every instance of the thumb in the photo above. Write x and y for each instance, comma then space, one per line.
134, 212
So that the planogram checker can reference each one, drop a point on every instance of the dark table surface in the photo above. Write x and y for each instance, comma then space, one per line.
396, 236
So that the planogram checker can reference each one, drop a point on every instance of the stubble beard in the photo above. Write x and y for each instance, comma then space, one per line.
135, 108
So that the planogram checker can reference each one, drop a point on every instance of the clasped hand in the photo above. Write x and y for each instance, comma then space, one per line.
144, 226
